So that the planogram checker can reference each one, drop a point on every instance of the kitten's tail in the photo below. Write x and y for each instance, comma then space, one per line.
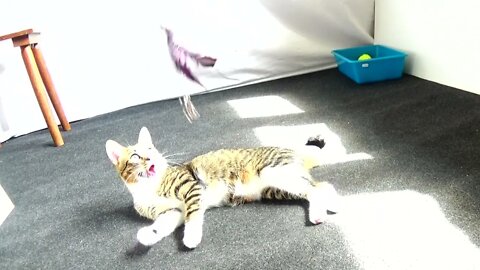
311, 152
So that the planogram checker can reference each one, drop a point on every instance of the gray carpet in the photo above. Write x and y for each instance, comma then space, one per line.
415, 204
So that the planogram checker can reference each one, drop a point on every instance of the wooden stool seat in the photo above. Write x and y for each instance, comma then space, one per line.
41, 80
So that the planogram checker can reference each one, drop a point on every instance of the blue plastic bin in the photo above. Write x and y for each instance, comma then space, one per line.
385, 64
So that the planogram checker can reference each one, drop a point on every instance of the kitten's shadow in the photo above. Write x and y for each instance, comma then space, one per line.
126, 211
178, 233
110, 215
178, 236
301, 203
137, 250
130, 213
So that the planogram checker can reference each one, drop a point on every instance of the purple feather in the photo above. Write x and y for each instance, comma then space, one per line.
181, 56
206, 61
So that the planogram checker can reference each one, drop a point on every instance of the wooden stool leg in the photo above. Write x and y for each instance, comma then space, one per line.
52, 93
39, 89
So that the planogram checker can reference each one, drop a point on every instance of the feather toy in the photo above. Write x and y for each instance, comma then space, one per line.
183, 60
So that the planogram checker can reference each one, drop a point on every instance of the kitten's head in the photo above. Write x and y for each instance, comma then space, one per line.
139, 162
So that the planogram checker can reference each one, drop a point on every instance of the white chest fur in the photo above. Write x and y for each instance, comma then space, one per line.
144, 193
251, 190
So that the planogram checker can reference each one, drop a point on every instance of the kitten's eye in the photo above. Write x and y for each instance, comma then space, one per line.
135, 158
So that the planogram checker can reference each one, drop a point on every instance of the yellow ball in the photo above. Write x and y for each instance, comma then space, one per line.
364, 57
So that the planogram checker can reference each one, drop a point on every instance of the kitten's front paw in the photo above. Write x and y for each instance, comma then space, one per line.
148, 236
192, 236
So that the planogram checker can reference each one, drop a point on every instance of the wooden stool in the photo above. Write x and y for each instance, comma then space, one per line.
40, 78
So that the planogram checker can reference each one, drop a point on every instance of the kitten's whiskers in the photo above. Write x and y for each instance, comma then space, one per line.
172, 161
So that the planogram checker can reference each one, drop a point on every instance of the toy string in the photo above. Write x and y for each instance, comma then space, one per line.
188, 108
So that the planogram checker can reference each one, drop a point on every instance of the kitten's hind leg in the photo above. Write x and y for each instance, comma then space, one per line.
294, 180
322, 198
332, 199
271, 193
163, 226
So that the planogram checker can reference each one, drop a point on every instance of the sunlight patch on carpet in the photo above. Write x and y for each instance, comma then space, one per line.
6, 205
263, 106
296, 136
403, 230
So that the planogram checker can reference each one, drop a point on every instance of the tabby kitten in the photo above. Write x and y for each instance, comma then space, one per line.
172, 195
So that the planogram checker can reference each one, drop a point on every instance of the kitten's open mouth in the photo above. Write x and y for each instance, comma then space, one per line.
151, 170
149, 173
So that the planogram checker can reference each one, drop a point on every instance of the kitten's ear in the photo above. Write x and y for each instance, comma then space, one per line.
114, 150
144, 137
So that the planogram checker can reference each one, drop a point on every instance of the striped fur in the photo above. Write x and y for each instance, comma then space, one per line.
224, 177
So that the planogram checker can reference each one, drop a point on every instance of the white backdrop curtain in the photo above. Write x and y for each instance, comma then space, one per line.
105, 56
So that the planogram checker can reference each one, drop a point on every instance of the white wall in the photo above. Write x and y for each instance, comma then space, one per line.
101, 55
442, 38
108, 55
